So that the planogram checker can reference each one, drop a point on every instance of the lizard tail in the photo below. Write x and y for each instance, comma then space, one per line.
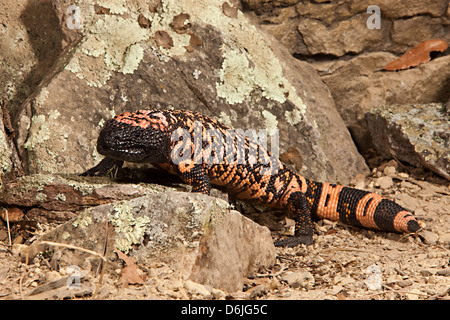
362, 209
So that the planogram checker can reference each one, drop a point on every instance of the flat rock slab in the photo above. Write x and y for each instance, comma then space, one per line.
51, 197
197, 235
415, 133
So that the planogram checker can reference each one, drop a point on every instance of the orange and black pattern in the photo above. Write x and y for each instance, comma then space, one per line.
203, 151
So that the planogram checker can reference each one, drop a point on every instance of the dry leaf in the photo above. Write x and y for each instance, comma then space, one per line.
14, 214
417, 55
179, 24
163, 39
130, 274
229, 10
292, 156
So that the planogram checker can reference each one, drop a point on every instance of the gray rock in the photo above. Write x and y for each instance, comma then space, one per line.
358, 87
429, 237
196, 234
118, 65
418, 134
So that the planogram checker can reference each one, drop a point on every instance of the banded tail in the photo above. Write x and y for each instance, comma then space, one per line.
362, 209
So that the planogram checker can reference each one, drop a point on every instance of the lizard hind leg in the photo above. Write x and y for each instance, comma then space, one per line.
298, 204
196, 176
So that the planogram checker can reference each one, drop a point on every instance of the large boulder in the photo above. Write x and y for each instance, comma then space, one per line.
165, 54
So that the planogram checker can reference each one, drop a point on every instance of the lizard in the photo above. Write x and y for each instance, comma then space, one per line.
204, 152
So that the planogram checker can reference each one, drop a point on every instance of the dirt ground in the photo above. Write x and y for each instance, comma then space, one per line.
344, 262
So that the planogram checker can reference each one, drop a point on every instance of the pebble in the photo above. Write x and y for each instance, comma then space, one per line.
425, 272
257, 292
301, 279
445, 238
429, 237
390, 171
404, 283
413, 294
52, 276
218, 294
385, 182
19, 249
443, 272
197, 288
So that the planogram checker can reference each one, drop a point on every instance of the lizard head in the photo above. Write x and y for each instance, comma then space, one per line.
140, 136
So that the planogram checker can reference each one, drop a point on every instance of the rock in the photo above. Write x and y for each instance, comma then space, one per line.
54, 198
197, 235
340, 27
30, 42
347, 36
445, 238
257, 292
443, 272
390, 171
431, 28
426, 272
9, 158
384, 182
374, 280
417, 134
299, 279
118, 66
218, 294
429, 237
414, 294
194, 288
358, 88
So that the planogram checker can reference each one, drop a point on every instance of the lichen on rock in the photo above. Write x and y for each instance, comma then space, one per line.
129, 228
418, 134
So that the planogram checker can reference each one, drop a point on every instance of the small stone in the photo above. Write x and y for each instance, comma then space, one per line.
197, 288
385, 182
404, 283
403, 175
52, 276
299, 279
445, 238
443, 272
429, 237
426, 272
413, 294
19, 250
218, 294
390, 171
257, 292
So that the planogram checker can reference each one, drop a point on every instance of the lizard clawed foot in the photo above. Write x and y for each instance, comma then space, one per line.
294, 241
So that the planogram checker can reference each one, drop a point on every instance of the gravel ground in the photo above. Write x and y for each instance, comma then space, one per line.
344, 263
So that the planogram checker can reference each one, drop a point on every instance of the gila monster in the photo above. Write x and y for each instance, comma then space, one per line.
202, 151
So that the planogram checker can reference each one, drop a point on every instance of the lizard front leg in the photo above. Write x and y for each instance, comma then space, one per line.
106, 167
